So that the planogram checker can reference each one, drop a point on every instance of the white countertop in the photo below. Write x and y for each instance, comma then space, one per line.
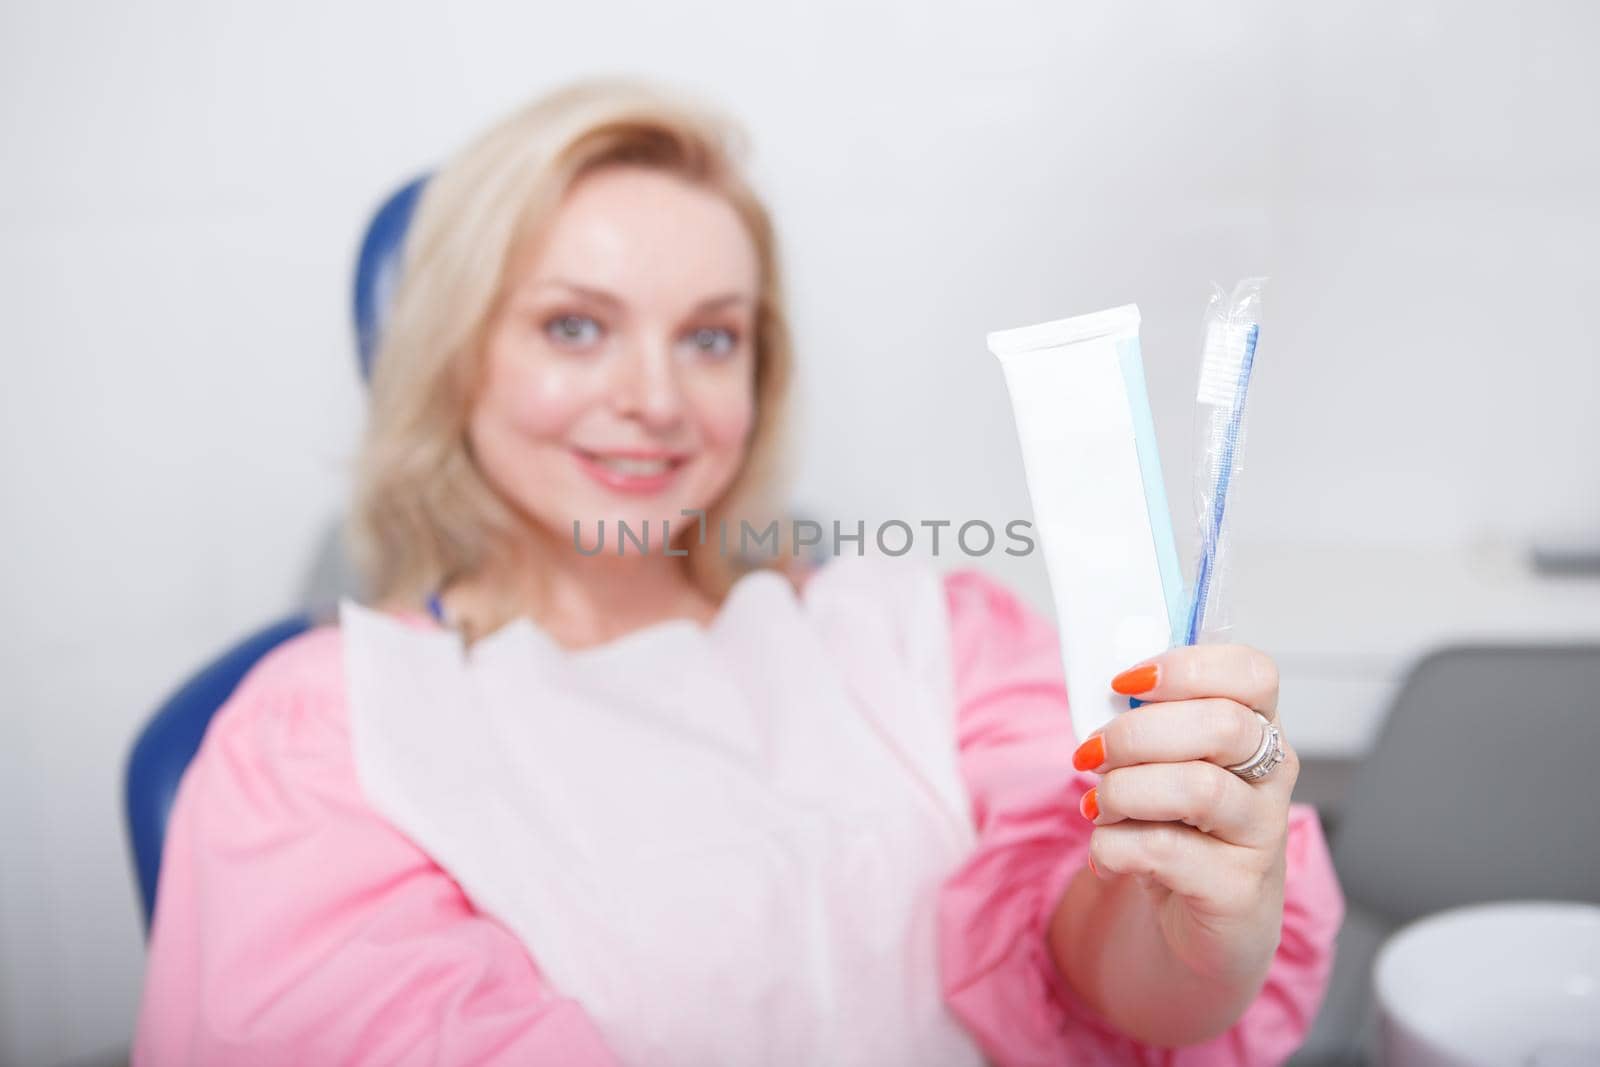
1346, 623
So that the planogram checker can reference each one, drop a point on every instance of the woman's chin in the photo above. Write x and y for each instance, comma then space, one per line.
639, 528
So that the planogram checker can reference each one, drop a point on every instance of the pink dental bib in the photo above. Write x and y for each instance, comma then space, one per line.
726, 842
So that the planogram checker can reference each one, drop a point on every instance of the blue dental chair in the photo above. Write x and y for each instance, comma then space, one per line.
172, 736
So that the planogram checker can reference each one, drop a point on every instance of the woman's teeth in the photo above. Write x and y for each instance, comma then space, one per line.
634, 468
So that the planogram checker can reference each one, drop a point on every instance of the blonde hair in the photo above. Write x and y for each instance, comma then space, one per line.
423, 512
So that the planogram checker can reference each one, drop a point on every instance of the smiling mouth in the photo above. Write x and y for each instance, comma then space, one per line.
633, 466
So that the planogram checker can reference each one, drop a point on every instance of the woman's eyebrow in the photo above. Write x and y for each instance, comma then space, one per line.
716, 303
601, 296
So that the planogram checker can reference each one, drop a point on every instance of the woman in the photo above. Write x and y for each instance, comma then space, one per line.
546, 804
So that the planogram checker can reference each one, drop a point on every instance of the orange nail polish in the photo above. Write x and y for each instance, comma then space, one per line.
1090, 754
1135, 680
1089, 807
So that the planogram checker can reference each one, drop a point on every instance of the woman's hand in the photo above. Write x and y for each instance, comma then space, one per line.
1207, 846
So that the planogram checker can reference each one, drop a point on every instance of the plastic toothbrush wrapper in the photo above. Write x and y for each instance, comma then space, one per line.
1233, 328
1093, 470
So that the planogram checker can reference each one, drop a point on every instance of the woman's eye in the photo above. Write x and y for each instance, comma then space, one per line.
575, 330
713, 340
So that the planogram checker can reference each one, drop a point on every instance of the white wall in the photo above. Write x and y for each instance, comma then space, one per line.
182, 187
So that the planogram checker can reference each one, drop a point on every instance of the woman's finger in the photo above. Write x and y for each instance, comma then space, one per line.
1226, 877
1237, 672
1196, 793
1217, 729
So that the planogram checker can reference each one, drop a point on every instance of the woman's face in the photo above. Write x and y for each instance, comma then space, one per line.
619, 365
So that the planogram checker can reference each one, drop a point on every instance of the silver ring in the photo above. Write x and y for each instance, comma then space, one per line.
1268, 755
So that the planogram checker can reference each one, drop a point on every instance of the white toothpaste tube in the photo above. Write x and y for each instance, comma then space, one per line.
1094, 474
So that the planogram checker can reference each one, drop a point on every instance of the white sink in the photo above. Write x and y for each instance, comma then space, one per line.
1513, 984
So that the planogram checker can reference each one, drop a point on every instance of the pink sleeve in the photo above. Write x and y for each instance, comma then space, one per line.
295, 926
1016, 740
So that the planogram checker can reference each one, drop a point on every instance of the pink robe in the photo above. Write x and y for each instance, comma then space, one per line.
296, 926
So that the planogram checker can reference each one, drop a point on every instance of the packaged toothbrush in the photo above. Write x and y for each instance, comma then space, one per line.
1232, 329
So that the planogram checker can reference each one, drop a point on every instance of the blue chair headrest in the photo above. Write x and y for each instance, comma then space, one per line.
378, 268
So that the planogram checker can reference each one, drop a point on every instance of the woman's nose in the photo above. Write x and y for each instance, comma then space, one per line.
649, 389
